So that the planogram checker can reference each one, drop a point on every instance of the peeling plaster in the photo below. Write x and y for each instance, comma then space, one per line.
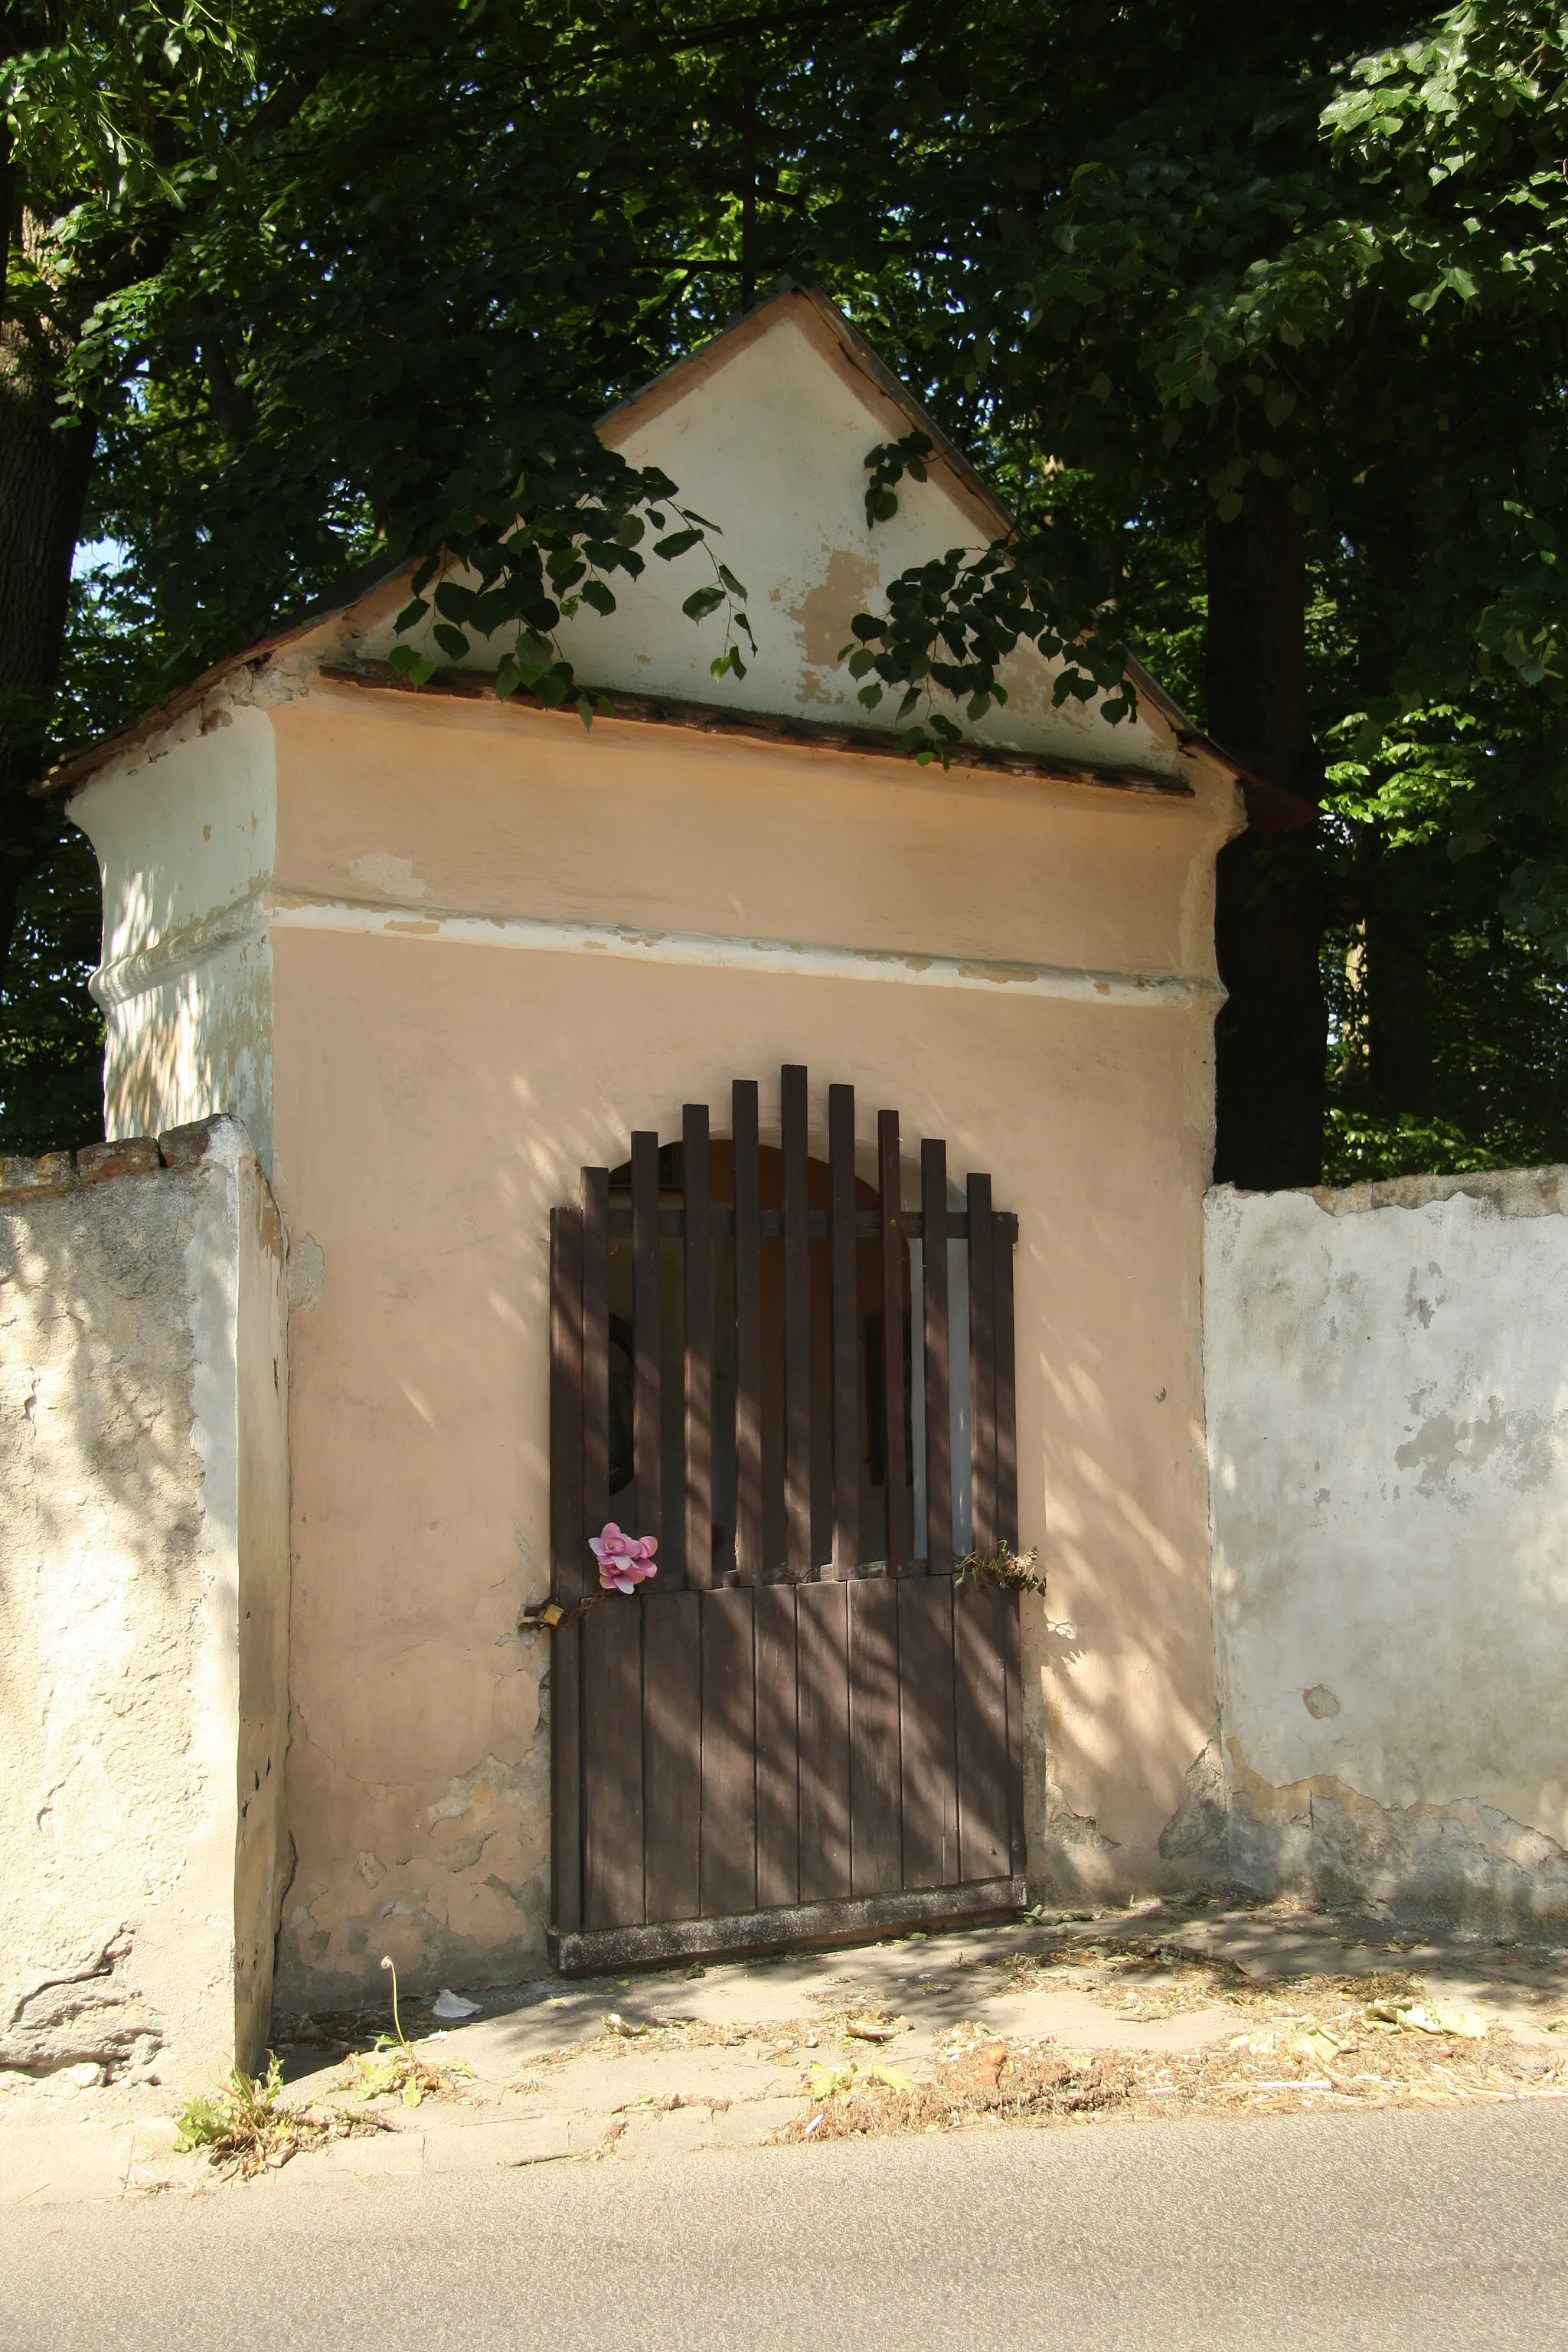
143, 1571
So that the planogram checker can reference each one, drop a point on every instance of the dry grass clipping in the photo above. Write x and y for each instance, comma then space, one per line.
1317, 2044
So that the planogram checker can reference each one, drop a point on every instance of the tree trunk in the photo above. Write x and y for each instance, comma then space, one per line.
1271, 1038
43, 489
1399, 1014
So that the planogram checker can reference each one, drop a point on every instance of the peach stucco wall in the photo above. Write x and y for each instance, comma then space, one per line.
434, 1095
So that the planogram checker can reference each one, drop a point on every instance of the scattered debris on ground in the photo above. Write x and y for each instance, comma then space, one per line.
1360, 2042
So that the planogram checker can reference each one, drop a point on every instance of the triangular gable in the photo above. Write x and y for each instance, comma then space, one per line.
766, 432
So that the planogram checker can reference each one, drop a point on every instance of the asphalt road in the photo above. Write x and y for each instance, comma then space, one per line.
1307, 2234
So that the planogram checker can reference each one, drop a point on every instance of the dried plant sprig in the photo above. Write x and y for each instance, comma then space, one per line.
1016, 1571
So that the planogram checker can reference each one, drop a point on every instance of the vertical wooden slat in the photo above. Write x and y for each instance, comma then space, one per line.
698, 1382
729, 1755
982, 1369
748, 1333
1006, 1408
896, 1494
876, 1865
938, 1423
612, 1774
822, 1637
778, 1747
569, 1554
672, 1776
984, 1839
596, 1348
569, 1557
1013, 1694
796, 1321
846, 1336
645, 1337
566, 1777
927, 1763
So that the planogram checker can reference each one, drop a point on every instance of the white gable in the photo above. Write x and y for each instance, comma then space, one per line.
766, 433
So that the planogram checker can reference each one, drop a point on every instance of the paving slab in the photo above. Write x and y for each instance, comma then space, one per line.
63, 2164
470, 2148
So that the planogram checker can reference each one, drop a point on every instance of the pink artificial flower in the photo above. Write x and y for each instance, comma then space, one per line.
625, 1561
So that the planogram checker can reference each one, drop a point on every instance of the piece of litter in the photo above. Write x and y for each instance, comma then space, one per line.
1319, 2043
1430, 2017
870, 2028
450, 2004
615, 2024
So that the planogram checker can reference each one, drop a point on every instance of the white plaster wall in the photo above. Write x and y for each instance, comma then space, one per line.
768, 438
143, 1552
185, 831
1386, 1388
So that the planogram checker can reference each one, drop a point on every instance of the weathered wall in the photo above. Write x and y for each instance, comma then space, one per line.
447, 952
1387, 1376
143, 1605
441, 1076
184, 832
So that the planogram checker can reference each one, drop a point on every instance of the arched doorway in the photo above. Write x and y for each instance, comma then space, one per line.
804, 1388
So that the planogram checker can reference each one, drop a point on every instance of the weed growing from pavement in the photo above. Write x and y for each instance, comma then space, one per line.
243, 2127
395, 2069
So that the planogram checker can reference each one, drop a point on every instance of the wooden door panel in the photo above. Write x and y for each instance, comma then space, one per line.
778, 1747
612, 1768
826, 1747
876, 1857
672, 1737
928, 1758
729, 1876
822, 1623
985, 1841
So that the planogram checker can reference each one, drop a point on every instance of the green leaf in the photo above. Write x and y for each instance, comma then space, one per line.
702, 602
675, 544
733, 585
417, 668
450, 640
595, 593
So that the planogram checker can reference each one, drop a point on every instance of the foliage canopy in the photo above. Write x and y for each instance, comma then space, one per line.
328, 281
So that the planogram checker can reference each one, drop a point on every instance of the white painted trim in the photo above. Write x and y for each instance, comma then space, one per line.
705, 951
180, 950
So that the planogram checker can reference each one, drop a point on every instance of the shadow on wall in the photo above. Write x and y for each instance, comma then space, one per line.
420, 1760
119, 1617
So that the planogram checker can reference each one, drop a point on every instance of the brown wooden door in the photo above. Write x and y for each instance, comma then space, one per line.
800, 1727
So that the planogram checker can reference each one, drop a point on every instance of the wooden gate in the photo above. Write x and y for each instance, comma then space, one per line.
800, 1729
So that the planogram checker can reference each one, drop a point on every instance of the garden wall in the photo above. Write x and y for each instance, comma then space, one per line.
1386, 1391
143, 1605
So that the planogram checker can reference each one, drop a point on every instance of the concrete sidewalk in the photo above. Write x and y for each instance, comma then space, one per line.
720, 2056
